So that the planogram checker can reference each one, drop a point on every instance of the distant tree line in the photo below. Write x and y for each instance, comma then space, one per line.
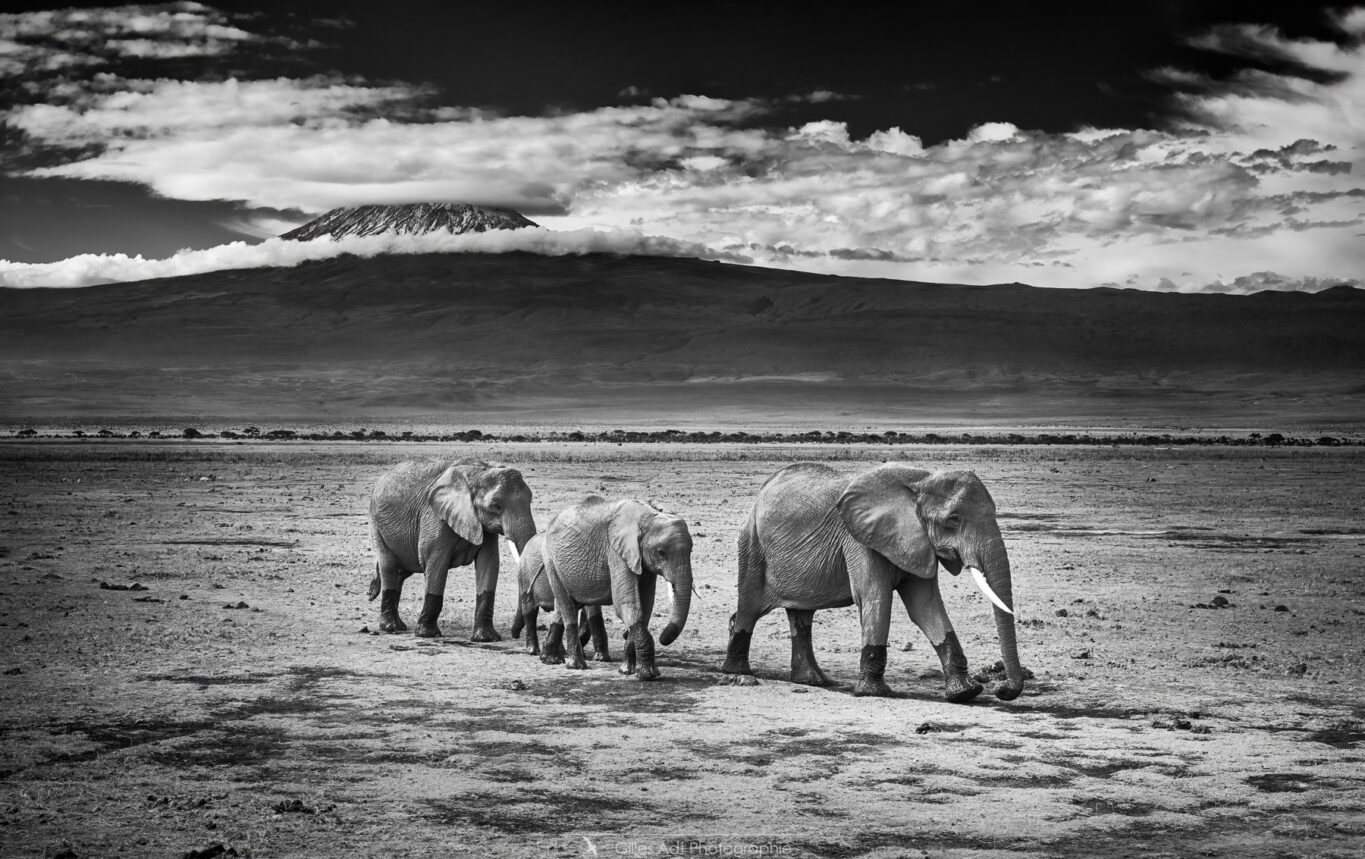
619, 436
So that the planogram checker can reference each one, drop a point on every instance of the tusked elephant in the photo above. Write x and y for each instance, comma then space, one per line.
818, 539
600, 552
426, 517
534, 594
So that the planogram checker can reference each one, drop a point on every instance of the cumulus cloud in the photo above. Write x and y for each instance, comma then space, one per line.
1262, 173
89, 269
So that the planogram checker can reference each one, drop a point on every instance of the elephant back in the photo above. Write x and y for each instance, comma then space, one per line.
805, 492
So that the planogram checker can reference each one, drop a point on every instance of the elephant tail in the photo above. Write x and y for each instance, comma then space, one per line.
374, 585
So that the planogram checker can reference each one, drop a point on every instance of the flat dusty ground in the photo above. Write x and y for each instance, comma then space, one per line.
234, 700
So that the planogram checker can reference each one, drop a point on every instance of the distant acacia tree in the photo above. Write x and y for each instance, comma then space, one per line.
191, 432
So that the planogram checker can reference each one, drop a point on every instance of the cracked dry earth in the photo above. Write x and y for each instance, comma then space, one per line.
232, 703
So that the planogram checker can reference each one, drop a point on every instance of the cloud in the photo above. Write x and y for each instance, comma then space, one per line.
1262, 172
89, 269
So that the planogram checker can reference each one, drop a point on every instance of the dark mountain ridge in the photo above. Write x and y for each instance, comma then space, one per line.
526, 338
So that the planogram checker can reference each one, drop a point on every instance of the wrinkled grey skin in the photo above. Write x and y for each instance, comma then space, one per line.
600, 552
534, 595
818, 539
426, 517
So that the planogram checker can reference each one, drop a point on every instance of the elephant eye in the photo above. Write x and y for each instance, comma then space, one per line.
953, 521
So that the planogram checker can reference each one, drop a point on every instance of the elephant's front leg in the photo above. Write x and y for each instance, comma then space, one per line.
485, 589
634, 604
875, 610
925, 606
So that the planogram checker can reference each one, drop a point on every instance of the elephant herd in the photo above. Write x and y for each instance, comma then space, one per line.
814, 539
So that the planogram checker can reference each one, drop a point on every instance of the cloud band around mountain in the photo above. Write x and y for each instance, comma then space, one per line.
90, 269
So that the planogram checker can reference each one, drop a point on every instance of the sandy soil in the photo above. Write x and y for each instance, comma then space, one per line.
233, 702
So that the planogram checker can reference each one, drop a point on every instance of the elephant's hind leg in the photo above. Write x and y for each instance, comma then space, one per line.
388, 582
804, 668
553, 651
752, 577
529, 616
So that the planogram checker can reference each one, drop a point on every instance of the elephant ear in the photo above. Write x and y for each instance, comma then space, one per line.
451, 497
623, 535
880, 510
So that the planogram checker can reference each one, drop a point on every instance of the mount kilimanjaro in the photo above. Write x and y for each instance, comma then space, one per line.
415, 218
520, 338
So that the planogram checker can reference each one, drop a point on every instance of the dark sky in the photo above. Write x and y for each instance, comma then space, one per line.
934, 68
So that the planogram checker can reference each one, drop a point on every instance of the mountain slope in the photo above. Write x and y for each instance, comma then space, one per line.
409, 218
522, 337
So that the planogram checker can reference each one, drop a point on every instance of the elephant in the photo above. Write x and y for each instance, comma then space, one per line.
430, 516
600, 552
816, 538
534, 593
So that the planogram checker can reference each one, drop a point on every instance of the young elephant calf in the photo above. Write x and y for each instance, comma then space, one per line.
534, 594
599, 552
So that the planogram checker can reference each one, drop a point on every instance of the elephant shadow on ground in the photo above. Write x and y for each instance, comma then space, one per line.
707, 666
666, 694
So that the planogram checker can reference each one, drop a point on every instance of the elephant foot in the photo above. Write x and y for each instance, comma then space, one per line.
426, 622
640, 652
874, 689
738, 680
737, 654
871, 683
959, 688
533, 647
483, 618
578, 663
553, 652
389, 621
392, 624
601, 656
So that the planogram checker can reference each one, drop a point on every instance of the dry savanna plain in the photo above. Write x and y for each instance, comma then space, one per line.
189, 668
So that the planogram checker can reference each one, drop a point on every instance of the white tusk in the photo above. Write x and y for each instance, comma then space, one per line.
516, 556
986, 589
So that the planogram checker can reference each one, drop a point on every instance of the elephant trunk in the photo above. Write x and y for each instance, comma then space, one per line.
682, 603
519, 528
995, 564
